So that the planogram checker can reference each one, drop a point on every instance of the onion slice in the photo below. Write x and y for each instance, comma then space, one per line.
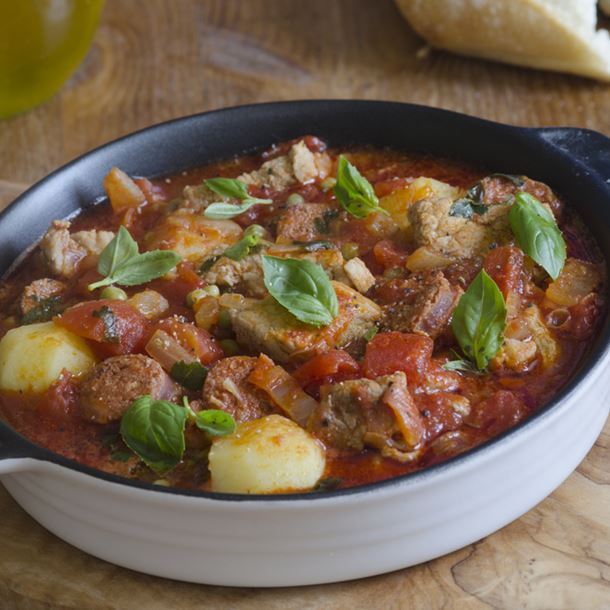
167, 351
283, 390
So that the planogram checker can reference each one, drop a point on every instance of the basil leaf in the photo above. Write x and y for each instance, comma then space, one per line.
233, 189
537, 233
465, 208
190, 375
154, 430
462, 366
479, 320
303, 288
215, 422
228, 187
146, 267
223, 211
518, 181
44, 310
120, 250
121, 263
355, 193
111, 330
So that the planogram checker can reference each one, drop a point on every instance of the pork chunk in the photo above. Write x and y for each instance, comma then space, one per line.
115, 383
67, 253
39, 290
227, 387
425, 307
299, 165
246, 275
304, 222
434, 226
265, 326
362, 412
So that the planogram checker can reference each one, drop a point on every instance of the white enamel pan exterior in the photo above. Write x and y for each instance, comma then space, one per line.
323, 537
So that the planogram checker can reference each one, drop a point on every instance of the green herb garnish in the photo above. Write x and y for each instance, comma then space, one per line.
327, 484
354, 191
190, 375
479, 320
121, 263
537, 233
215, 422
154, 430
231, 189
44, 310
111, 330
303, 288
465, 208
315, 246
253, 236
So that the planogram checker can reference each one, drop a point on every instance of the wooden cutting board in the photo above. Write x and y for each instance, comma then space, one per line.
154, 60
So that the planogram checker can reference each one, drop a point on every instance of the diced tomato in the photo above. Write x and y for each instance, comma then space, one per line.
389, 255
505, 266
497, 413
390, 352
385, 187
329, 367
61, 398
195, 340
114, 327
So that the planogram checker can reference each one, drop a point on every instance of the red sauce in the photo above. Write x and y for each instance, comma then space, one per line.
498, 399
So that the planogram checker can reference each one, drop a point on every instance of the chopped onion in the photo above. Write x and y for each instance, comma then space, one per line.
167, 351
423, 258
283, 390
149, 303
405, 412
206, 312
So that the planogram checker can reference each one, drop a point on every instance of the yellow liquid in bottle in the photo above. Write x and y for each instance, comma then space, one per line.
42, 42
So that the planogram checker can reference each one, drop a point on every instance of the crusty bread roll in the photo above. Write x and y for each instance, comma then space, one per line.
553, 34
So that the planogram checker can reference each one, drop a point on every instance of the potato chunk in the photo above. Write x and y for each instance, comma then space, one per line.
268, 455
33, 357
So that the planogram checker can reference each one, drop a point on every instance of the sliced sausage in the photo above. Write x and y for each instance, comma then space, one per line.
227, 387
116, 382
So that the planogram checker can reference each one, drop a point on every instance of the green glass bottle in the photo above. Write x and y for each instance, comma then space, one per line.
42, 42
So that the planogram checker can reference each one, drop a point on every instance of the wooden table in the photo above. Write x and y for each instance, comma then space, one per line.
155, 60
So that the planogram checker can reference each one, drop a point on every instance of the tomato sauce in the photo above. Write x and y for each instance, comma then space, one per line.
495, 400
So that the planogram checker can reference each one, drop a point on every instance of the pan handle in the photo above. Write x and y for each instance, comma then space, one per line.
589, 147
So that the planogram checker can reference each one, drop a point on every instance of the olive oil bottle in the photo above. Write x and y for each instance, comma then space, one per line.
42, 42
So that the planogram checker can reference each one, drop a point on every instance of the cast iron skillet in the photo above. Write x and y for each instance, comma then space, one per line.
574, 162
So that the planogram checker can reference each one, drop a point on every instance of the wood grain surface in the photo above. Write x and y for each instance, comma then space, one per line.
153, 60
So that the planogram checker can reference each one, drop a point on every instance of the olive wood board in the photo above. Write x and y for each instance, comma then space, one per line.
151, 62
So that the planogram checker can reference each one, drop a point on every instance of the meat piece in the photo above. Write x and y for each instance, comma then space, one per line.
304, 222
93, 241
362, 412
265, 326
299, 165
193, 236
66, 253
359, 274
425, 306
115, 383
39, 290
442, 412
246, 275
434, 226
227, 387
497, 189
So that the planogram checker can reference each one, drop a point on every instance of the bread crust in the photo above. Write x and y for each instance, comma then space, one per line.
556, 35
